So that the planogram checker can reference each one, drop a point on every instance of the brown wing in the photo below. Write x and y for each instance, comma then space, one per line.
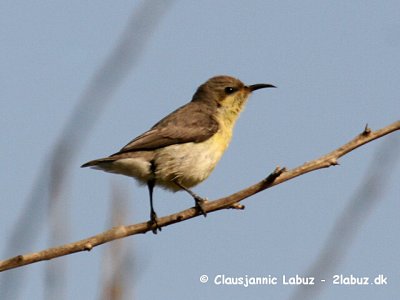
192, 122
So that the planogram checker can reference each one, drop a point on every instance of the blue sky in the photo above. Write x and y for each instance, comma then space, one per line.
336, 65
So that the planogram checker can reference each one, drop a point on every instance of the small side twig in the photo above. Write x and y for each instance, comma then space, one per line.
278, 176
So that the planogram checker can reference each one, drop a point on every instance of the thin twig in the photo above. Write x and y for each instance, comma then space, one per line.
279, 175
359, 207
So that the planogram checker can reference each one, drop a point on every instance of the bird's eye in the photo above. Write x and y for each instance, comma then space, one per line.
229, 90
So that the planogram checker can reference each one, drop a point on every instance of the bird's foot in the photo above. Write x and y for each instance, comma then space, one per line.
200, 204
153, 222
199, 200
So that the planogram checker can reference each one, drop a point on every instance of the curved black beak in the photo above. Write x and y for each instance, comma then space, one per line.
260, 86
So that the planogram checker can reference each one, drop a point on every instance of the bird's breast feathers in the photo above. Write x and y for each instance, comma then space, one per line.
190, 163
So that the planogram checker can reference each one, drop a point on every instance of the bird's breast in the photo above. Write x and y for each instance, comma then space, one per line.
190, 163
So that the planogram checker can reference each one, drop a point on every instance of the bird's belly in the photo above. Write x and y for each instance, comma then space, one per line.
188, 163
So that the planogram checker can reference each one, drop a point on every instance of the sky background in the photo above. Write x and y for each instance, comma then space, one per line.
336, 65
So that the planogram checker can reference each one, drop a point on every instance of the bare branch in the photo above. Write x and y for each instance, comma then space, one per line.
359, 207
279, 175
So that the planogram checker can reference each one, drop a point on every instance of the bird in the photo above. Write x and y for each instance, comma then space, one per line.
182, 149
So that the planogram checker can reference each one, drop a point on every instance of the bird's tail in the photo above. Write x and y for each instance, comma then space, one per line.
98, 162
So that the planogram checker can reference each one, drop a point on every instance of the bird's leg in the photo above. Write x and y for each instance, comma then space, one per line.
153, 215
199, 200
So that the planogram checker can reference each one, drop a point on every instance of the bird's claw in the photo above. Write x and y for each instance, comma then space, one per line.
153, 222
200, 205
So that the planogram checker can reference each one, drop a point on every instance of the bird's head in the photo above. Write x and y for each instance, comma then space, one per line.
227, 94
